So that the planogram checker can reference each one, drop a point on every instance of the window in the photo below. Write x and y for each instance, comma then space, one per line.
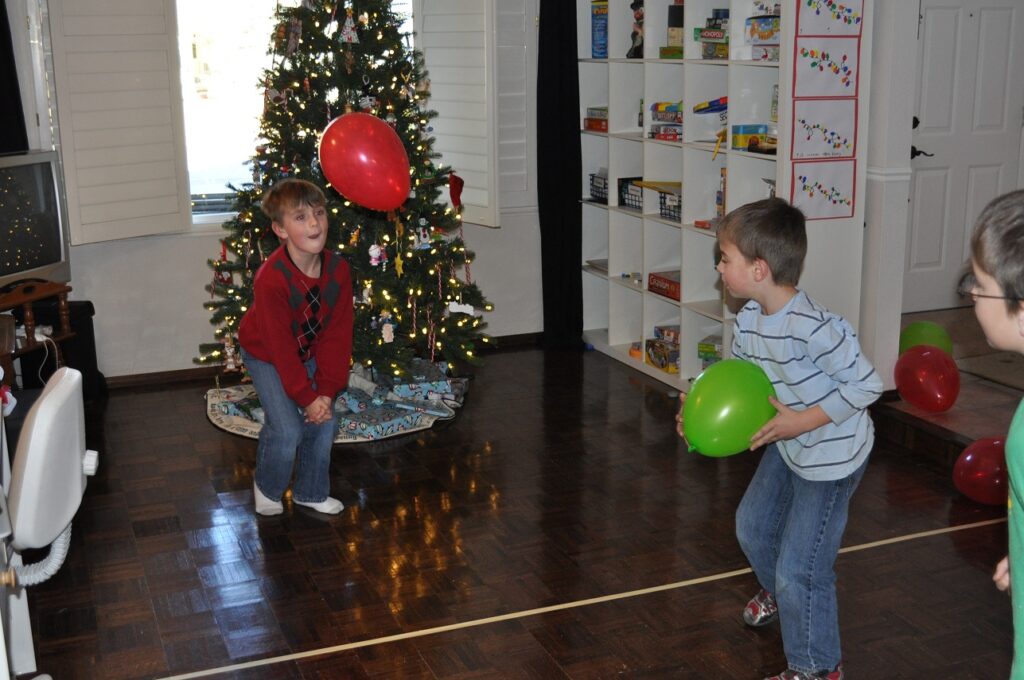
222, 103
222, 98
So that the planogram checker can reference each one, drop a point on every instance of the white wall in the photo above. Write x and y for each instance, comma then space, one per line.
148, 294
888, 185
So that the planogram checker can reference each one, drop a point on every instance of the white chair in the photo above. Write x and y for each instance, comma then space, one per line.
47, 483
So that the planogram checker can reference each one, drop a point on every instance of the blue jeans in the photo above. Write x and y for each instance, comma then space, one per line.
790, 530
286, 439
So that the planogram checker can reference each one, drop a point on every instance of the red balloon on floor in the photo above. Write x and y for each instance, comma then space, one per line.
363, 157
928, 378
980, 471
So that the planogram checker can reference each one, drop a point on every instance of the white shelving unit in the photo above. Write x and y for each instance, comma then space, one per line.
619, 310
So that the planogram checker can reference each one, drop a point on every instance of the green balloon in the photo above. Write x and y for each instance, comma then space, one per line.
727, 404
925, 333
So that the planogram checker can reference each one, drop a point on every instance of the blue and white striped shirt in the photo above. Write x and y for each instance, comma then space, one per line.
813, 358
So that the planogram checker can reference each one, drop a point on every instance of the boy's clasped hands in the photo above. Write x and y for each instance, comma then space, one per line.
319, 410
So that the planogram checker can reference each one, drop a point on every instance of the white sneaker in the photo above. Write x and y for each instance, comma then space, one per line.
265, 506
328, 506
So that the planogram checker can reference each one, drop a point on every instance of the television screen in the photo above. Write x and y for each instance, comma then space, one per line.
32, 241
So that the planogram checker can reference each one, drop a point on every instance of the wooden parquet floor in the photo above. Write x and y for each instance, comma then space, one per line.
556, 528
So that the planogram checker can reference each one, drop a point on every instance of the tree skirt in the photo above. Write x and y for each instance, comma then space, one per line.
367, 411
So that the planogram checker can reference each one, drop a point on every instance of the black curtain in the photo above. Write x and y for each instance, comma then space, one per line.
559, 169
12, 120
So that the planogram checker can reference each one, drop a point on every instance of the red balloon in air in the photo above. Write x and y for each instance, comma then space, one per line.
928, 378
363, 157
980, 471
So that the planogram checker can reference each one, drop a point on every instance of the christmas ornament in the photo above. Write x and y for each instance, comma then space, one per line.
459, 308
278, 97
455, 184
399, 264
387, 327
378, 255
408, 90
365, 161
367, 102
294, 35
231, 362
348, 30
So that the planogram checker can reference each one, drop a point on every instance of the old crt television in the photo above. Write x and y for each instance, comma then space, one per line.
34, 240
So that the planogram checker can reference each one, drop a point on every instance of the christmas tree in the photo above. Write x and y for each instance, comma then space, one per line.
414, 294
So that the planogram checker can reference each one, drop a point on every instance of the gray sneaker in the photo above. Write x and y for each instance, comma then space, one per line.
761, 610
790, 674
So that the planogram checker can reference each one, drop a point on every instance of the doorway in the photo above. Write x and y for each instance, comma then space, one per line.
967, 138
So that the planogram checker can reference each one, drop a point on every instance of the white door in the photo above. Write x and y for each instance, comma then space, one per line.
970, 107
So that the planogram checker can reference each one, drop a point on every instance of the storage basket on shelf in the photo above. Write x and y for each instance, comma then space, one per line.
631, 194
670, 206
598, 188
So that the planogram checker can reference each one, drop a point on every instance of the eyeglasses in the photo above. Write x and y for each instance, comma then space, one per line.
969, 283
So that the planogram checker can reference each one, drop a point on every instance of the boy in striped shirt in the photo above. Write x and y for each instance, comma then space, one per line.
792, 517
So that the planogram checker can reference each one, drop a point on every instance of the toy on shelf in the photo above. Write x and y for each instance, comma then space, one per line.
666, 121
599, 186
636, 47
720, 107
599, 29
631, 194
714, 37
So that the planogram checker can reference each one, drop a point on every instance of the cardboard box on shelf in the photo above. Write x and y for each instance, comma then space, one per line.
762, 30
743, 134
599, 29
664, 283
709, 350
667, 332
663, 355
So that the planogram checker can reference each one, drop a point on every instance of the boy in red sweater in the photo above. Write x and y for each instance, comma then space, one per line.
296, 341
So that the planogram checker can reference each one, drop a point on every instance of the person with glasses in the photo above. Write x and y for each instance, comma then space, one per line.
996, 286
296, 341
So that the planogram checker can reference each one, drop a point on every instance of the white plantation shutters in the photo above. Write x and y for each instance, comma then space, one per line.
121, 122
458, 45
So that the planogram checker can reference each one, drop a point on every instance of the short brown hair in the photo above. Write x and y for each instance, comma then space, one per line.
289, 193
771, 230
997, 245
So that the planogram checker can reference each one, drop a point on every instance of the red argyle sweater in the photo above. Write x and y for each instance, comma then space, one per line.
294, 318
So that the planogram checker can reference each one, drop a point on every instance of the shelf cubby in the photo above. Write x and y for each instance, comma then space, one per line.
625, 317
595, 303
702, 178
693, 328
626, 80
